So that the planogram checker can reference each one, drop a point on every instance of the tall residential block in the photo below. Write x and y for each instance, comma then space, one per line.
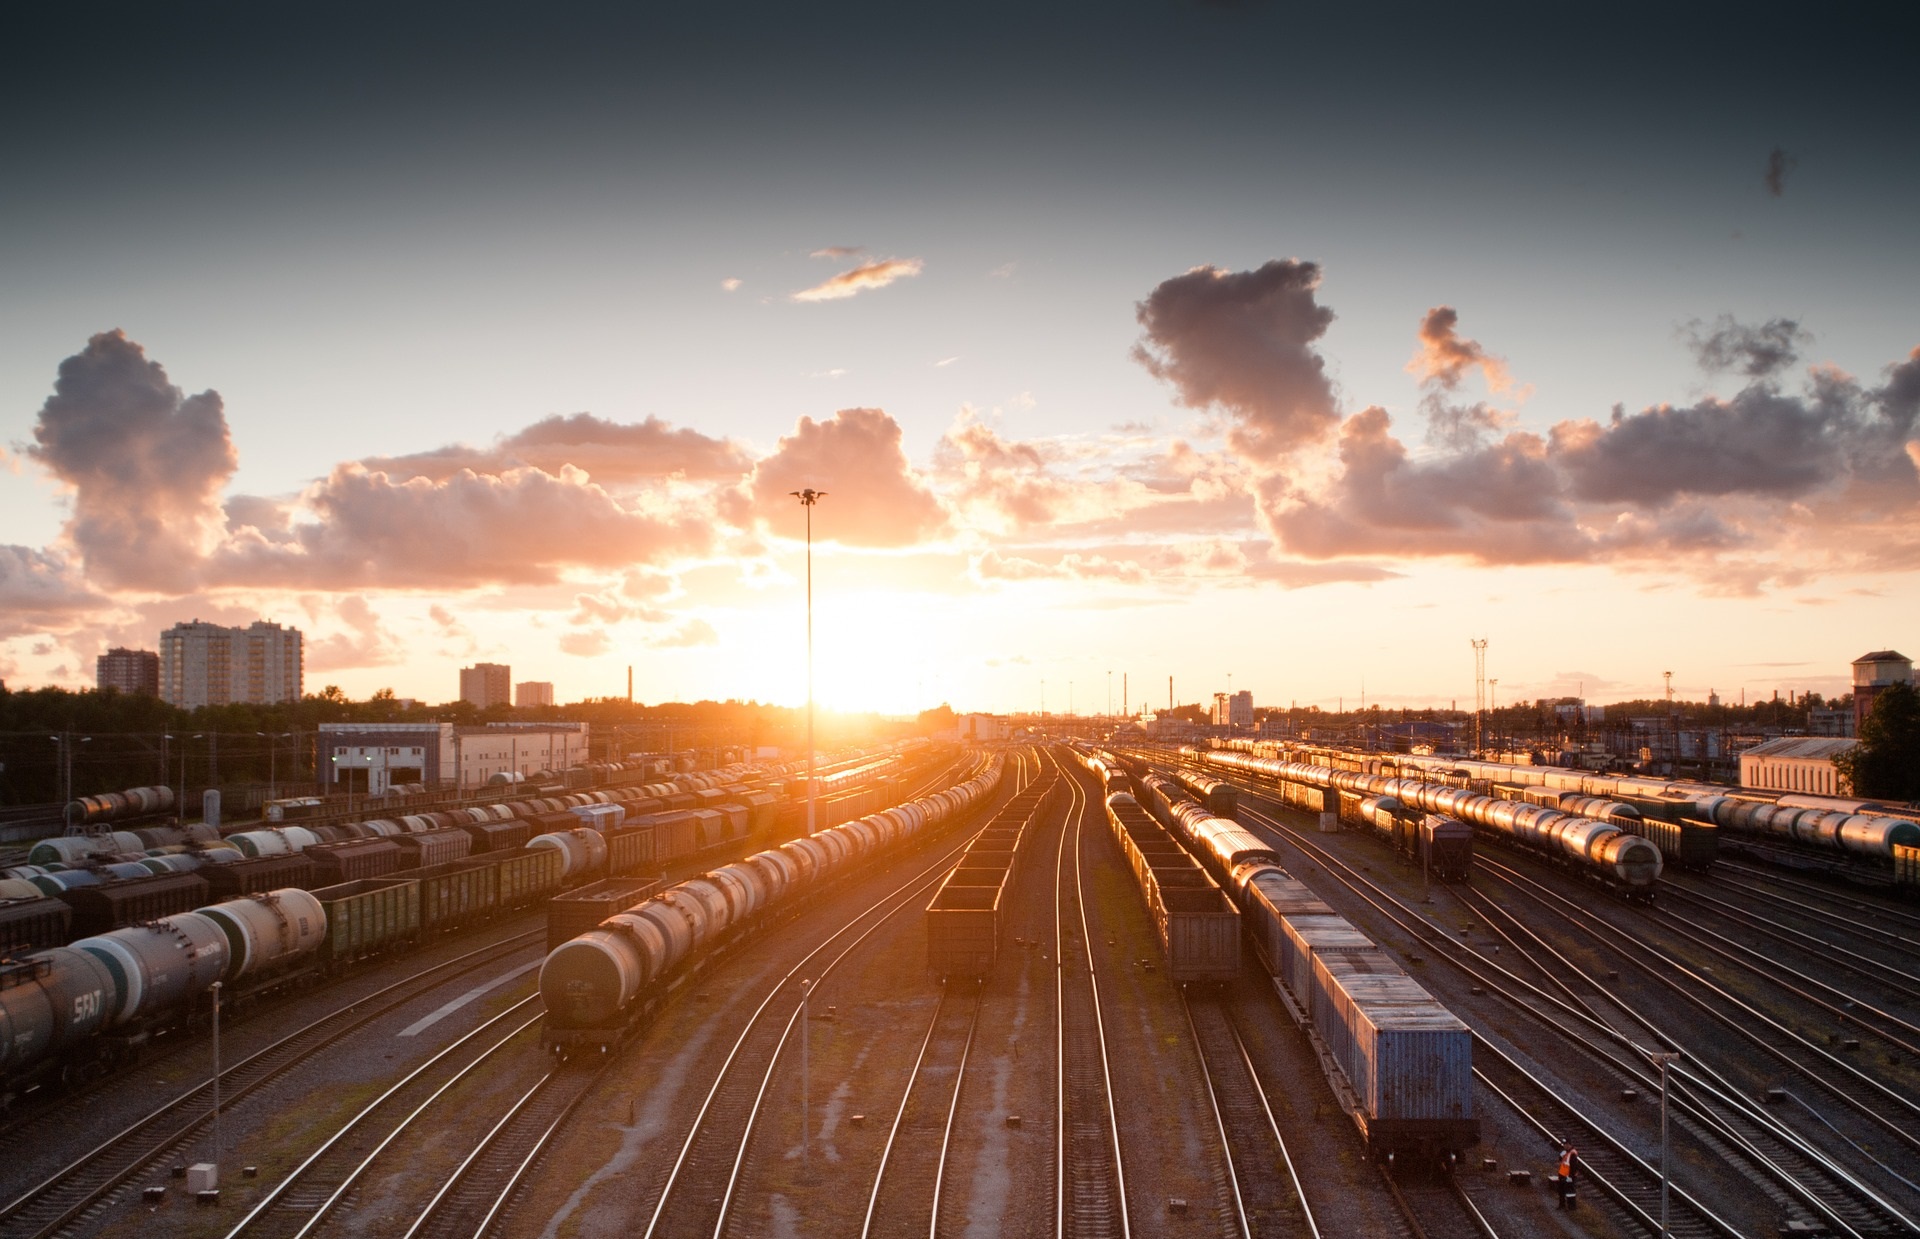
533, 693
130, 671
486, 684
213, 665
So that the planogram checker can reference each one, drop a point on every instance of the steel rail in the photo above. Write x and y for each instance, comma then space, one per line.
906, 1097
1076, 813
267, 1202
903, 894
264, 1065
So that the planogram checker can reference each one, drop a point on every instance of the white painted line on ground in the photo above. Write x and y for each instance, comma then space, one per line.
479, 991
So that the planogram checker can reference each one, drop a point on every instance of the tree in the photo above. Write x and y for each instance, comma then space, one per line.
1885, 765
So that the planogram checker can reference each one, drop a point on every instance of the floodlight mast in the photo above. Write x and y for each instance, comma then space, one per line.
808, 498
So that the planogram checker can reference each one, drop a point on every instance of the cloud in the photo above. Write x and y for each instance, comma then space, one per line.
370, 530
838, 251
1242, 342
366, 643
1755, 351
590, 643
1759, 442
874, 497
1779, 166
1005, 271
1754, 491
40, 590
731, 284
613, 453
1445, 355
145, 461
693, 633
859, 279
945, 361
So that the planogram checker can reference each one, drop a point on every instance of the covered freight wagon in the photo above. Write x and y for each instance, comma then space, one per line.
1408, 1060
498, 836
28, 925
354, 860
253, 874
106, 906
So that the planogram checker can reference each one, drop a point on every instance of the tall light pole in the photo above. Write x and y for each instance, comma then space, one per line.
216, 1083
273, 760
1664, 1058
808, 498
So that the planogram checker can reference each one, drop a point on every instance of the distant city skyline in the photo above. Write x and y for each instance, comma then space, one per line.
1160, 339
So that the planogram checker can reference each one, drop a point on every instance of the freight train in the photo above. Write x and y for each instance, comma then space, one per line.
595, 985
1863, 830
1401, 1063
1599, 850
294, 907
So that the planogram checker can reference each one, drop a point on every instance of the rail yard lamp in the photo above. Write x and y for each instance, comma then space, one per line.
216, 1083
273, 739
808, 498
1664, 1059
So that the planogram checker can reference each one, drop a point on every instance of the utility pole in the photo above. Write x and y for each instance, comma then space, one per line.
1479, 688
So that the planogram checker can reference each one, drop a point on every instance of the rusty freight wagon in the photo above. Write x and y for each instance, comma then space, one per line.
107, 906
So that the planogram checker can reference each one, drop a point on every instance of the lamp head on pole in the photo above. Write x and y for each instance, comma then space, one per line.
809, 496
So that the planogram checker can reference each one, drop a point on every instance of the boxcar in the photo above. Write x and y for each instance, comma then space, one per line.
1408, 1059
1446, 847
337, 863
1906, 867
368, 917
432, 847
500, 836
108, 906
1688, 843
256, 875
28, 925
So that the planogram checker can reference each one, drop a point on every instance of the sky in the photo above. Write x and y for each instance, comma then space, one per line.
1255, 349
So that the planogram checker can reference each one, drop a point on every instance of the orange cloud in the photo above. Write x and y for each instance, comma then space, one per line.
861, 278
1445, 355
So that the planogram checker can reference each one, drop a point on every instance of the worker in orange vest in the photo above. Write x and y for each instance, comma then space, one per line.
1564, 1179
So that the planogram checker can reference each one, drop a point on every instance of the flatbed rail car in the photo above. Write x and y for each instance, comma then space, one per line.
965, 919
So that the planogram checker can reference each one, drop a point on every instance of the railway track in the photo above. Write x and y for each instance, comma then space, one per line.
1090, 1198
1879, 920
1436, 1205
700, 1187
1268, 1198
1833, 1192
908, 1185
476, 1197
1880, 1104
93, 1180
308, 1197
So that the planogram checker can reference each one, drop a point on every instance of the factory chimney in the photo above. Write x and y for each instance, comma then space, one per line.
1169, 694
1124, 712
629, 683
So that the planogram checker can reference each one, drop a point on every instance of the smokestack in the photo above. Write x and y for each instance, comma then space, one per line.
1169, 694
1124, 712
629, 683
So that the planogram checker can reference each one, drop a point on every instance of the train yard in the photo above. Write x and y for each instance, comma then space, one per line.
1050, 991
